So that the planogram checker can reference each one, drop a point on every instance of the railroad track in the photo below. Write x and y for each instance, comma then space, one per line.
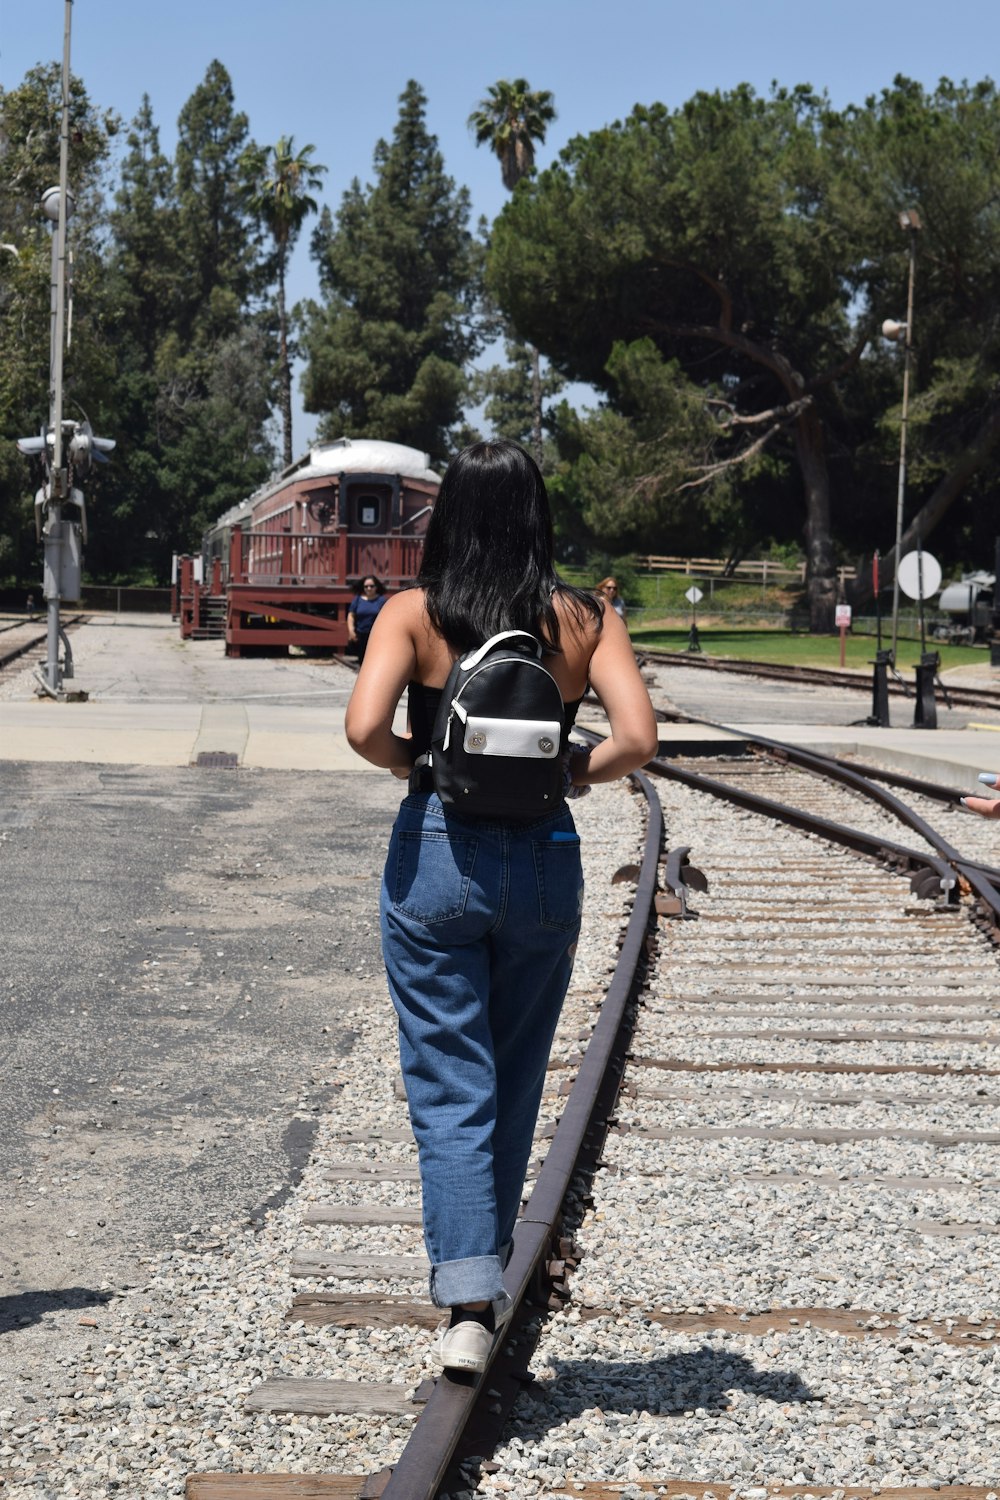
24, 642
757, 1255
982, 698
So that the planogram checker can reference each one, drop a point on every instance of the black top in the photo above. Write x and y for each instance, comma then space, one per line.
424, 702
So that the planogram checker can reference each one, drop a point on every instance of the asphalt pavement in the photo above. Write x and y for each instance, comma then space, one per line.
180, 944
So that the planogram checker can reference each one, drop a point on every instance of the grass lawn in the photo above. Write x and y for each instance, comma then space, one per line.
796, 648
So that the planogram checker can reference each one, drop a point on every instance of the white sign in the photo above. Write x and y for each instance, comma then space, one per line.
919, 575
842, 615
694, 595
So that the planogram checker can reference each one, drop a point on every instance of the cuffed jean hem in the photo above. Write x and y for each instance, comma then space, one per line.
476, 1279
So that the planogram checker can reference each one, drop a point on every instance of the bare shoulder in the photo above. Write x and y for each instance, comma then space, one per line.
407, 602
405, 610
575, 619
579, 633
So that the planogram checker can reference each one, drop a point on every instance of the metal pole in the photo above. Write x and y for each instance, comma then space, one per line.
57, 473
59, 331
920, 586
901, 488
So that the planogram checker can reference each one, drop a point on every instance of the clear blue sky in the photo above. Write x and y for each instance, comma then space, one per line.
330, 72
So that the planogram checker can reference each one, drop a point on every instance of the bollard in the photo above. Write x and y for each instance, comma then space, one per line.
880, 690
925, 708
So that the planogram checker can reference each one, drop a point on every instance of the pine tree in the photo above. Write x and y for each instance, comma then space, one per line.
399, 270
145, 233
195, 364
218, 240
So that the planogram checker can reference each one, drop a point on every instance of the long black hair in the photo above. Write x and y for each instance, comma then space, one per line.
487, 563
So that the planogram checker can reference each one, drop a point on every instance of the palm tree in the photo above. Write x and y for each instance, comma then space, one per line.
282, 180
511, 119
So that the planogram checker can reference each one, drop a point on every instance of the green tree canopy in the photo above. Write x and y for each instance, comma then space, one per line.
936, 152
398, 266
706, 229
194, 375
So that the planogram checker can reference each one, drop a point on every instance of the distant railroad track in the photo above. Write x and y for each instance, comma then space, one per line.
810, 1007
985, 698
24, 642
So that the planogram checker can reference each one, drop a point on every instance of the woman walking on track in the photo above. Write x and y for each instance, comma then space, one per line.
480, 916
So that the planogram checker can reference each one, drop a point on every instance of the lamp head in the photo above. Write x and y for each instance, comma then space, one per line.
50, 201
910, 219
893, 330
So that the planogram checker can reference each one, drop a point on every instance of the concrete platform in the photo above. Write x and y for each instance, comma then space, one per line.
175, 734
155, 700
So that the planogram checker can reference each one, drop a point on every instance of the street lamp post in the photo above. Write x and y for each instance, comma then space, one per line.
909, 222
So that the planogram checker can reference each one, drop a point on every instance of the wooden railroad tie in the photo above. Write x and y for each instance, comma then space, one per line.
362, 1487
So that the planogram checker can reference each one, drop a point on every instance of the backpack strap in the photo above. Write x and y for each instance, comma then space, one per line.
476, 656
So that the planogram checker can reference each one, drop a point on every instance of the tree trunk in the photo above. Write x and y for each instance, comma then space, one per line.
536, 407
821, 583
284, 367
933, 510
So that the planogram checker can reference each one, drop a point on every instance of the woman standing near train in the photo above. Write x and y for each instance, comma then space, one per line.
480, 918
363, 611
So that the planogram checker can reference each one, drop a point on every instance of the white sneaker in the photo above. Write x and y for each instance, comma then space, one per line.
468, 1345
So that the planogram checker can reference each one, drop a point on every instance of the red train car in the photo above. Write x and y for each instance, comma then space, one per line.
283, 566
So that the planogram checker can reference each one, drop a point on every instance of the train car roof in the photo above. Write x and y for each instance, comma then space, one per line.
363, 456
341, 456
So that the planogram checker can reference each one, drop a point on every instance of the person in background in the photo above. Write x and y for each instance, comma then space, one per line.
480, 917
363, 612
608, 589
986, 807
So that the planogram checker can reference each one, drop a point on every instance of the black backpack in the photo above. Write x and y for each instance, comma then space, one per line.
495, 747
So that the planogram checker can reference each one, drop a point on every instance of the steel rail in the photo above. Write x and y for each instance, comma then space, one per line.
813, 676
861, 778
944, 869
874, 846
7, 656
456, 1401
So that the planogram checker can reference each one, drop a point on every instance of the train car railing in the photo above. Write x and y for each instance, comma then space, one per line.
288, 558
285, 557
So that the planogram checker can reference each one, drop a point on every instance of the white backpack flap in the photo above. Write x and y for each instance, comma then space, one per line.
525, 739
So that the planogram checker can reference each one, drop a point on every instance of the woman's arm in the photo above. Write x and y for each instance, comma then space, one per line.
352, 621
390, 663
615, 679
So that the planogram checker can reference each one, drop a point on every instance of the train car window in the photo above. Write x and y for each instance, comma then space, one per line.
368, 509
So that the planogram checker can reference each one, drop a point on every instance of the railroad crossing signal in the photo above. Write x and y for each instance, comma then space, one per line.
67, 449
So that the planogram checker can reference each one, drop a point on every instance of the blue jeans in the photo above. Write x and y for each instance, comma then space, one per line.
479, 926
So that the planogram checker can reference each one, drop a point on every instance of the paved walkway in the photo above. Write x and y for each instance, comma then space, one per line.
155, 700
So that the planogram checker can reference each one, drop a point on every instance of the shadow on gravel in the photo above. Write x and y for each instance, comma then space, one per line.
666, 1387
30, 1307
